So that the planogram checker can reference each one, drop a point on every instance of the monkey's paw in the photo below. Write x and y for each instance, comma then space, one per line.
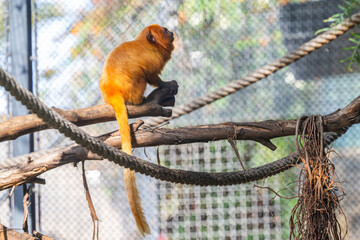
163, 95
172, 86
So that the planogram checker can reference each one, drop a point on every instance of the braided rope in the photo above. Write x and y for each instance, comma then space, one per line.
260, 73
180, 176
236, 85
159, 172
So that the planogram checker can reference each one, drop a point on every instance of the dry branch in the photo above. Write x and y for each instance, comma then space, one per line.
257, 131
152, 106
10, 234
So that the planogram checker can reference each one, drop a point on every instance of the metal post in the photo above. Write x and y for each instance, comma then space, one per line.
21, 69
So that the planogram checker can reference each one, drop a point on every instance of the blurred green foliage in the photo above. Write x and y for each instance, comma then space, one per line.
46, 11
347, 9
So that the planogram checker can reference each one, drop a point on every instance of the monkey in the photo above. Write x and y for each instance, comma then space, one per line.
127, 70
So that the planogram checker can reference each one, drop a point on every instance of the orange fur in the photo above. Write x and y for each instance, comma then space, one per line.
127, 70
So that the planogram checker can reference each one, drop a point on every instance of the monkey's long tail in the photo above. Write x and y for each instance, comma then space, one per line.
129, 175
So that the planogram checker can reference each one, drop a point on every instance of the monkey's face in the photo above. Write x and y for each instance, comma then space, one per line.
161, 36
169, 34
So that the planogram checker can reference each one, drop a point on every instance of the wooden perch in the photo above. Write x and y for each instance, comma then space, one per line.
10, 234
152, 106
256, 131
260, 132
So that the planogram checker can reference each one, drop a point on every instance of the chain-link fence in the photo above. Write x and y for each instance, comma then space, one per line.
216, 42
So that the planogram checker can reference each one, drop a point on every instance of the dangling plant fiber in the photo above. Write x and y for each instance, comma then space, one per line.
315, 215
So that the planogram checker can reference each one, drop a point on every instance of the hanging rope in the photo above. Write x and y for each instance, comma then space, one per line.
173, 175
260, 73
159, 172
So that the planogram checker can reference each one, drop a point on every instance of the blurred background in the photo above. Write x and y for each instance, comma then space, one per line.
216, 42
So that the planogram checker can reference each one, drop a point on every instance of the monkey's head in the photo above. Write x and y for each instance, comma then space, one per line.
157, 35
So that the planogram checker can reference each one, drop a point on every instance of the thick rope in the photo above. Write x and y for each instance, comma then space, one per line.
260, 73
230, 88
236, 85
159, 172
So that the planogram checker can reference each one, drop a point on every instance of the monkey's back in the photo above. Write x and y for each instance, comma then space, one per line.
127, 68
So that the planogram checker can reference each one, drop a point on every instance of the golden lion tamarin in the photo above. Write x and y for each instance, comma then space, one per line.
127, 69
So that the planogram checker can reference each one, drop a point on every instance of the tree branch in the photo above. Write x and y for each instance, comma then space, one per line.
10, 234
256, 131
152, 106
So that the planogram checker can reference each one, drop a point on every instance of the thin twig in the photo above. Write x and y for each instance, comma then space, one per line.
233, 145
158, 155
272, 190
26, 204
93, 214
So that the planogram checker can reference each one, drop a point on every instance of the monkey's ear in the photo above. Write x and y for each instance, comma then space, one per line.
150, 37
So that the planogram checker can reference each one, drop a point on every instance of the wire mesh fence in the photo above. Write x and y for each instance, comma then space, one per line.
216, 42
232, 212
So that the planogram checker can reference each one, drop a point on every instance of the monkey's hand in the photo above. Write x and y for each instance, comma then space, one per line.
162, 97
172, 86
